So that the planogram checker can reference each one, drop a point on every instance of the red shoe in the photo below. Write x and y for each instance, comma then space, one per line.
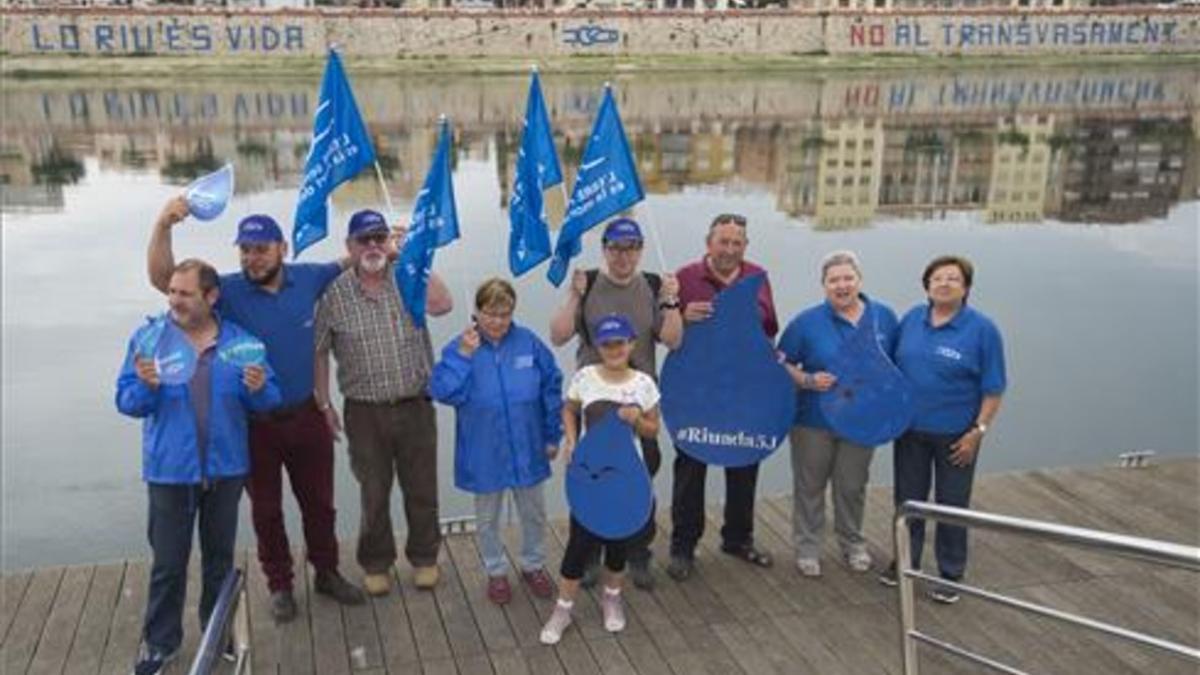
539, 583
498, 590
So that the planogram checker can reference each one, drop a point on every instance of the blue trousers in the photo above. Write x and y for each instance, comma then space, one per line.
173, 516
922, 458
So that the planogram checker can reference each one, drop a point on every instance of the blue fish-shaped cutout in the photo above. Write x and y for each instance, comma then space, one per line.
872, 402
208, 195
608, 486
726, 398
244, 351
174, 357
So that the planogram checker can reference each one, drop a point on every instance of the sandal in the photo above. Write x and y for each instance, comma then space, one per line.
750, 555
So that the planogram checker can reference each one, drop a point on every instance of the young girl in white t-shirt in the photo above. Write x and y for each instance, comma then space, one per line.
594, 391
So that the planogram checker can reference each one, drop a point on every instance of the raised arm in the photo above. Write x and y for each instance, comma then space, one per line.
160, 259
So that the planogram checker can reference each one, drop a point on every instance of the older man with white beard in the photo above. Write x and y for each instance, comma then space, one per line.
384, 363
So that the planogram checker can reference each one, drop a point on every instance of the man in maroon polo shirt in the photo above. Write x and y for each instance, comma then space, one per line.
699, 282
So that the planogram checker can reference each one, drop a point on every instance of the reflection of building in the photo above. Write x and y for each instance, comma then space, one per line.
848, 173
1124, 171
1020, 169
799, 160
929, 169
668, 160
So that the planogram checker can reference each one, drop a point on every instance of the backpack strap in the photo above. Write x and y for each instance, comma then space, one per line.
581, 326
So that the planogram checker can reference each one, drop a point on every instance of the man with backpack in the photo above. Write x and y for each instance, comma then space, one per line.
652, 304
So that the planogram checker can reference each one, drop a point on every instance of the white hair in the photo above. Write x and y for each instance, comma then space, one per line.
843, 257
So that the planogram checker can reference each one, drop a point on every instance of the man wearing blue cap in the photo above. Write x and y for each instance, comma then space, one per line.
651, 303
275, 301
384, 364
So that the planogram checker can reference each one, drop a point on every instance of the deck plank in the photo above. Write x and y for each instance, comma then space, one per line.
125, 631
91, 635
363, 644
59, 633
12, 591
31, 617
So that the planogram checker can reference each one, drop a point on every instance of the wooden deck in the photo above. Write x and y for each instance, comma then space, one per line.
729, 618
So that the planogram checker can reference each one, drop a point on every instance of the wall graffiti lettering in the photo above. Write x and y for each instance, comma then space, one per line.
1014, 33
590, 34
165, 37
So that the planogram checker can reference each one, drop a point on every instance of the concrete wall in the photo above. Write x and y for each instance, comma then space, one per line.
198, 32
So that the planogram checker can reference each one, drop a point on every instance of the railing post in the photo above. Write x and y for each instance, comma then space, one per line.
908, 646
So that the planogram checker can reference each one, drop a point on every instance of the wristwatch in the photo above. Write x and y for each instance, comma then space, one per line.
981, 427
673, 303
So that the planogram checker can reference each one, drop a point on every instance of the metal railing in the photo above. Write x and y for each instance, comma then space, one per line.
1149, 550
227, 626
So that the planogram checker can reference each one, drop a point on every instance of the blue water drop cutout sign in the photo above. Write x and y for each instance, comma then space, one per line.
208, 195
872, 402
726, 398
608, 485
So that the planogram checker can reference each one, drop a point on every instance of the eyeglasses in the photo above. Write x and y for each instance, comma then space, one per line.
495, 316
372, 239
622, 248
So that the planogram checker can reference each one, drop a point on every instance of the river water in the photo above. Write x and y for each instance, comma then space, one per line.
1073, 191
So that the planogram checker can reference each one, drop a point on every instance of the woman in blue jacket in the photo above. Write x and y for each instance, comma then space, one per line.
507, 392
195, 454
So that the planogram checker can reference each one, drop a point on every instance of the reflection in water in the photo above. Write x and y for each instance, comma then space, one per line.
1100, 322
840, 153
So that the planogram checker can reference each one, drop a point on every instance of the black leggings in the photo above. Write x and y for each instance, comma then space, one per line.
583, 547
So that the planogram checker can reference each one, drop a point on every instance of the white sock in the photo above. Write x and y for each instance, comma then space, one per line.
612, 592
566, 604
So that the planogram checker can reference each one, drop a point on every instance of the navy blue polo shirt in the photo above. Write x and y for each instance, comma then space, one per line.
813, 339
951, 367
282, 320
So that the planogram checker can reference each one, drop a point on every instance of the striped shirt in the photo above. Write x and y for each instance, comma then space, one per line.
380, 355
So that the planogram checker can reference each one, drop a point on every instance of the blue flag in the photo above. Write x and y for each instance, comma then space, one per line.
340, 148
537, 169
434, 224
607, 184
725, 397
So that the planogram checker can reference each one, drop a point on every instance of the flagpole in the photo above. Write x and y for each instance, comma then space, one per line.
387, 198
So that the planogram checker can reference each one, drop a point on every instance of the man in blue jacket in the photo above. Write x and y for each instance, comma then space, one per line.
194, 454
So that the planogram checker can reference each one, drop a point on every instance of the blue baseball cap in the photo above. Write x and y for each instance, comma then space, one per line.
622, 230
258, 229
613, 327
366, 222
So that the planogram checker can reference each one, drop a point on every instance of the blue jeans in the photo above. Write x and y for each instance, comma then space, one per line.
919, 458
531, 511
173, 511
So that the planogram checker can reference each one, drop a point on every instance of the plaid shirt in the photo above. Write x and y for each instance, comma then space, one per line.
381, 356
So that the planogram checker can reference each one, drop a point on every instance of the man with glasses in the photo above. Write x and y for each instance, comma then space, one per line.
275, 302
384, 363
722, 266
652, 305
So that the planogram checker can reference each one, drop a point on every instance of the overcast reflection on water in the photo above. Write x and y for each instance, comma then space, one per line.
1075, 193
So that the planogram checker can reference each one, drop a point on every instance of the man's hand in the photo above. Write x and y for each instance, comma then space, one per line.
822, 381
670, 288
963, 450
146, 372
395, 241
254, 377
175, 210
697, 311
332, 421
468, 342
578, 282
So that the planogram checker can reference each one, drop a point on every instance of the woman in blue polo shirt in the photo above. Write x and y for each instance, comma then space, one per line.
809, 344
954, 357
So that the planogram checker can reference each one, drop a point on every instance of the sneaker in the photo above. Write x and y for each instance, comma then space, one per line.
859, 560
498, 590
329, 582
152, 663
943, 595
680, 568
540, 583
378, 584
426, 578
888, 576
639, 573
558, 622
283, 606
591, 575
809, 567
614, 613
230, 653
